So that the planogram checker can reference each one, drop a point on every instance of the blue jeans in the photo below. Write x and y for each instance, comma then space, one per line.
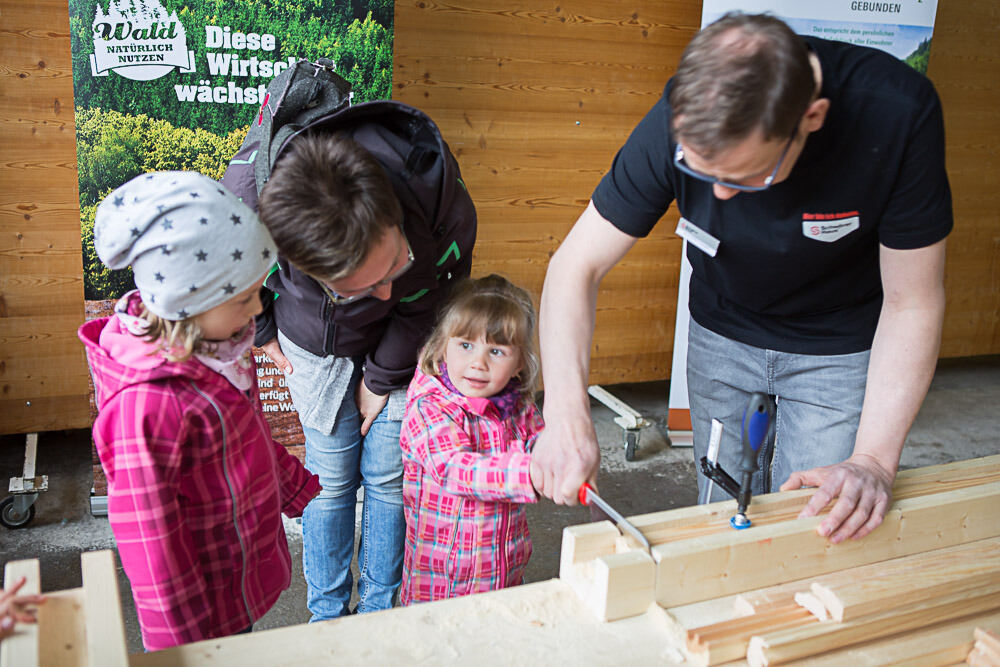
818, 402
344, 460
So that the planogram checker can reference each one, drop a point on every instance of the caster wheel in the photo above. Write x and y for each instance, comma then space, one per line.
11, 518
631, 445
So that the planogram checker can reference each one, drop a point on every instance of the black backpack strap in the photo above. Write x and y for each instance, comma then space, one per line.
425, 149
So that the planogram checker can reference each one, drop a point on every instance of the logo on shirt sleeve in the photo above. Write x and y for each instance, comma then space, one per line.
829, 227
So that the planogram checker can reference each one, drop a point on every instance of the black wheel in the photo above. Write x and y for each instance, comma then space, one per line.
631, 444
11, 518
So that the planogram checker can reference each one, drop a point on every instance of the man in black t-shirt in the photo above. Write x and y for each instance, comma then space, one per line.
810, 178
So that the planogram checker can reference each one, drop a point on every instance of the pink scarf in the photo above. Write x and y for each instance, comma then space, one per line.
230, 358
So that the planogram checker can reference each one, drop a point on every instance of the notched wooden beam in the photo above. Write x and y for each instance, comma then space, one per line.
612, 580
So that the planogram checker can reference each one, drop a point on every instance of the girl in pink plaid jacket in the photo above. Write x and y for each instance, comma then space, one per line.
467, 436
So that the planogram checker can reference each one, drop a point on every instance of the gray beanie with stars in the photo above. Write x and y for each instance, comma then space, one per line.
192, 244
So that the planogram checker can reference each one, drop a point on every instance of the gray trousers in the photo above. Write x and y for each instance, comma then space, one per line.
818, 400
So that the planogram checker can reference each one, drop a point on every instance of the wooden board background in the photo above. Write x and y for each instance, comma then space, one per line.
534, 99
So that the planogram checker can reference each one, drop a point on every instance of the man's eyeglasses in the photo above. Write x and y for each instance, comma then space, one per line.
339, 300
679, 163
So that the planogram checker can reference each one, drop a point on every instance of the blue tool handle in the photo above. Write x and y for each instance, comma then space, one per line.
757, 420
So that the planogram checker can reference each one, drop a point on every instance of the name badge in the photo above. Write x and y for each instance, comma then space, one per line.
697, 237
829, 227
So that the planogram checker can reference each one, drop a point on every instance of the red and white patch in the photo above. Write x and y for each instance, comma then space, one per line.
260, 116
829, 227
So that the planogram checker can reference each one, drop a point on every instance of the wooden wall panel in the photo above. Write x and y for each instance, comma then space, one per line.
965, 68
43, 372
534, 99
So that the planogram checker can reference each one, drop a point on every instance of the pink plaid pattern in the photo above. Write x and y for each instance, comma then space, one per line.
465, 479
196, 488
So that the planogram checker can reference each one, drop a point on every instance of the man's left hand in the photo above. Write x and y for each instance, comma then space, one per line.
369, 405
862, 487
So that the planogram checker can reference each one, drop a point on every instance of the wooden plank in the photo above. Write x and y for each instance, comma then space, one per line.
986, 650
62, 632
106, 644
964, 66
586, 542
776, 508
611, 585
795, 643
877, 588
766, 599
682, 577
21, 648
505, 51
780, 595
779, 508
938, 644
39, 221
722, 642
43, 413
594, 20
510, 100
726, 563
542, 622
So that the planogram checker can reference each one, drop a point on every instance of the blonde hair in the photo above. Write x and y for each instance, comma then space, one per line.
176, 339
495, 308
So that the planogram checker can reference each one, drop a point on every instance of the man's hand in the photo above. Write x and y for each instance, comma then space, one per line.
273, 349
567, 455
369, 405
862, 487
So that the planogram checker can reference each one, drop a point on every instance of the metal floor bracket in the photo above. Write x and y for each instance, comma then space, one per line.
18, 509
628, 418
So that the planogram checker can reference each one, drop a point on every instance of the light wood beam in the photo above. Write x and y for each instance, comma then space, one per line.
611, 585
62, 632
735, 561
775, 508
877, 588
785, 645
722, 642
986, 650
106, 644
945, 643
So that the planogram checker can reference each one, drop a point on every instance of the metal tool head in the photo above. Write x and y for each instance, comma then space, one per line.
587, 496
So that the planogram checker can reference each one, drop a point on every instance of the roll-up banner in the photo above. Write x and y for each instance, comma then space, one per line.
170, 84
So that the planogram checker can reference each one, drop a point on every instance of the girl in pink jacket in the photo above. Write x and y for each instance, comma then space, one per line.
196, 484
467, 436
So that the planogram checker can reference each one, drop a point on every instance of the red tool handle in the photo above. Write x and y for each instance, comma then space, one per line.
582, 495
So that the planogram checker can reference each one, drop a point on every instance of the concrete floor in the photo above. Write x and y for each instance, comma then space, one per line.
959, 420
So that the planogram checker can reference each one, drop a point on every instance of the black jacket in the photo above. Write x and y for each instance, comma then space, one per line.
439, 220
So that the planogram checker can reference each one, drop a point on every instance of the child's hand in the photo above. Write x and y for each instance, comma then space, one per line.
16, 608
535, 474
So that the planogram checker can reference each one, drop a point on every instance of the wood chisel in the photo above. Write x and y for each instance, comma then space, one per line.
588, 496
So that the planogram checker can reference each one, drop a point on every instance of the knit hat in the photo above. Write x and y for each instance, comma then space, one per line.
192, 244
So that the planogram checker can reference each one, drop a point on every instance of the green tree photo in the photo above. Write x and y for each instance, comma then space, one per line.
127, 127
112, 148
918, 59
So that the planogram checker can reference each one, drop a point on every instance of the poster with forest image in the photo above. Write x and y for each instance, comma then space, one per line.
174, 85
